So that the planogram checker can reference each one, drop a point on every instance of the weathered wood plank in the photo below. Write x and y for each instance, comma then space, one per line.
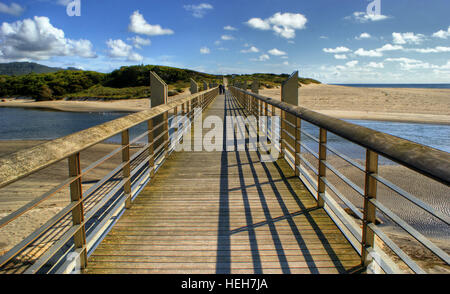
224, 212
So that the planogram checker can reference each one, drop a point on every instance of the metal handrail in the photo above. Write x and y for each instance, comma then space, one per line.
425, 160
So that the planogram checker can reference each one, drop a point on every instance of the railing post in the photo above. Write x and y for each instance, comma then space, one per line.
166, 132
76, 195
151, 148
297, 146
282, 134
369, 213
126, 168
322, 167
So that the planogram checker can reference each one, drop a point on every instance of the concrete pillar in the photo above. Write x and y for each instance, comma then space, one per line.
255, 87
205, 86
158, 96
194, 87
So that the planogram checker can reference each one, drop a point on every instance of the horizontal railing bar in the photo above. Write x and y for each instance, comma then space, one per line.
289, 123
342, 197
355, 187
346, 158
413, 232
53, 249
309, 150
289, 134
139, 137
37, 233
413, 199
14, 215
308, 164
97, 185
309, 136
400, 253
423, 159
24, 162
341, 218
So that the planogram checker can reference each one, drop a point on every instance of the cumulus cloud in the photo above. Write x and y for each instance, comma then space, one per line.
252, 49
120, 49
368, 53
363, 36
352, 63
205, 50
283, 24
38, 39
139, 25
438, 49
390, 47
13, 9
263, 57
407, 38
138, 42
227, 37
340, 49
276, 52
340, 56
442, 34
363, 17
376, 65
199, 10
230, 28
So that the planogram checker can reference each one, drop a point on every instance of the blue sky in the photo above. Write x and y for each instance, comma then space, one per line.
335, 41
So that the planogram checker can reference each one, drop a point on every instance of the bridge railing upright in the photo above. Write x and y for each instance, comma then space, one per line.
310, 155
64, 242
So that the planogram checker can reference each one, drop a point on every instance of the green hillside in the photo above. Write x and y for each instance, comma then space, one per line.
23, 68
124, 83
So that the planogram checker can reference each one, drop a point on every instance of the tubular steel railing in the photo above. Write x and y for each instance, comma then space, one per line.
67, 239
427, 161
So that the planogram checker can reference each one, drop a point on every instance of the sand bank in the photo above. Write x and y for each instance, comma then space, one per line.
389, 104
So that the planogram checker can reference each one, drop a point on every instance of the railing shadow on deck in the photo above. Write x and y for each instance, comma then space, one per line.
223, 265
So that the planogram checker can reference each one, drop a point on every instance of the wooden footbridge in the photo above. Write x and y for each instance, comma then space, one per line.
183, 201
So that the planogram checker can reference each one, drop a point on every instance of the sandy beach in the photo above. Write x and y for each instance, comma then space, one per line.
124, 105
389, 104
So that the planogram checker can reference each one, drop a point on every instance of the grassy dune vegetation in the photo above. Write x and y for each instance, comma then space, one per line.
124, 83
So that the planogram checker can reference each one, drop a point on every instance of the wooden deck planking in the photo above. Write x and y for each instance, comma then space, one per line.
224, 212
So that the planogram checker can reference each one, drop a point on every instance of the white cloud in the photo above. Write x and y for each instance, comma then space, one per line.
407, 38
442, 34
38, 39
13, 9
323, 37
217, 43
227, 37
376, 65
138, 42
283, 24
119, 49
363, 17
438, 49
340, 49
252, 49
363, 36
263, 57
352, 63
199, 10
139, 25
286, 63
205, 50
230, 28
368, 53
389, 47
340, 56
276, 52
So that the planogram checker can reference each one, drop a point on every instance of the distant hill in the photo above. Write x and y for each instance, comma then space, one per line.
48, 83
23, 68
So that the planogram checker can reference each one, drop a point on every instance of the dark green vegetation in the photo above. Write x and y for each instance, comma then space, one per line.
124, 83
269, 80
23, 68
